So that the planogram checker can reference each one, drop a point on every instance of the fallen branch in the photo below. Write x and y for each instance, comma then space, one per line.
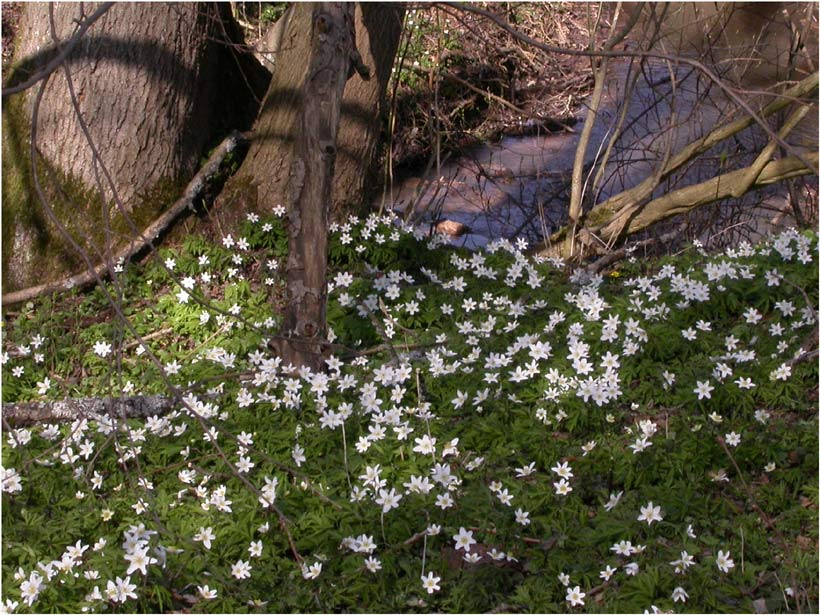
811, 355
388, 347
766, 154
28, 413
146, 238
638, 217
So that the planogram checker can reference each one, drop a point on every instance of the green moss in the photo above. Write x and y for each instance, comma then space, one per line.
598, 216
149, 204
23, 215
34, 249
560, 234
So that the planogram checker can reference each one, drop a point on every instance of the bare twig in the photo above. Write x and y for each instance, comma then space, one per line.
449, 75
802, 291
147, 337
750, 494
600, 74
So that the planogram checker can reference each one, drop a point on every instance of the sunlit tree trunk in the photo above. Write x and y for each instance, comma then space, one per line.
261, 182
310, 180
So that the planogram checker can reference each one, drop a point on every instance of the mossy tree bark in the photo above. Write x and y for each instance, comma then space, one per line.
149, 82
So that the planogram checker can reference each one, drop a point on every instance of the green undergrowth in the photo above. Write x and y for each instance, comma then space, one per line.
494, 432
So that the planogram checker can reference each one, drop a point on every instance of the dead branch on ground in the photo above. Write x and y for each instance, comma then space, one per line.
32, 412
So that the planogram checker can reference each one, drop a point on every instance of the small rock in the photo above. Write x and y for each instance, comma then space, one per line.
760, 606
452, 228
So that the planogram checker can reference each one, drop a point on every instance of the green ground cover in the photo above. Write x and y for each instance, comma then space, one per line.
493, 432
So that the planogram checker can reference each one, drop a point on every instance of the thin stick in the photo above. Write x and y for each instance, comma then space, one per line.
344, 450
424, 553
147, 337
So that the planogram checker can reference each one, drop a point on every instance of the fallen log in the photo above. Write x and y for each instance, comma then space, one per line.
33, 412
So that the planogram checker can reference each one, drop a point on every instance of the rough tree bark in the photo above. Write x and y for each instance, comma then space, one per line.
378, 29
331, 58
150, 82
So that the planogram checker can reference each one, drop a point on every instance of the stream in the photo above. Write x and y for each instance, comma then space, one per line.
519, 186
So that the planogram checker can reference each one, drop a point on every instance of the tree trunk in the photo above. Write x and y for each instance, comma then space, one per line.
261, 183
150, 84
378, 29
296, 155
310, 180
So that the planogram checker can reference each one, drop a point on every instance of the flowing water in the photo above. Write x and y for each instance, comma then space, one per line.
519, 186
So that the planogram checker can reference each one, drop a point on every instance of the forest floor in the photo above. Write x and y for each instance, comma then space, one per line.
633, 440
